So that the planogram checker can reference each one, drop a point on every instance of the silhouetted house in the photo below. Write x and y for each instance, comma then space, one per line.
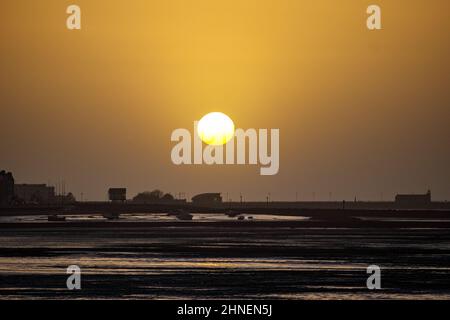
34, 193
6, 187
413, 199
207, 199
117, 194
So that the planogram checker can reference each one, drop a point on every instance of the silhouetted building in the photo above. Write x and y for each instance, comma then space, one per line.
34, 193
209, 199
6, 187
117, 194
413, 199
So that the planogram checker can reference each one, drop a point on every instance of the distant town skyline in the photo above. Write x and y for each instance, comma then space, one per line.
60, 188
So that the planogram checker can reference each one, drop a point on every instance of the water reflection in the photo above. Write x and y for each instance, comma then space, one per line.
154, 217
209, 263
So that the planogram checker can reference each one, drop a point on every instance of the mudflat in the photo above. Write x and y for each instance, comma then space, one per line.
226, 260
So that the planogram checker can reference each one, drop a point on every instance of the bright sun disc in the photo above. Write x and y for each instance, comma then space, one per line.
215, 128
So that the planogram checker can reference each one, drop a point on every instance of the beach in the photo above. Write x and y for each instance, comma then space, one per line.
271, 259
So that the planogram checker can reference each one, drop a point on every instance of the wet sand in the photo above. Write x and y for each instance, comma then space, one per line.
226, 260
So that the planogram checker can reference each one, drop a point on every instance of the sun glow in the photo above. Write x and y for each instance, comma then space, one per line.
215, 128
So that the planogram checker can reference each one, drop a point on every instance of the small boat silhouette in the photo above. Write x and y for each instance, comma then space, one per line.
181, 214
232, 213
111, 215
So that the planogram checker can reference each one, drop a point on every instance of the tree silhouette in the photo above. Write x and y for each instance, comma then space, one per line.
152, 196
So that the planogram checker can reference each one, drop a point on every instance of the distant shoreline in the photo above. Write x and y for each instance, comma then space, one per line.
351, 223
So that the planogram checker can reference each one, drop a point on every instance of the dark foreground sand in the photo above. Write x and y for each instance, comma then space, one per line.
249, 260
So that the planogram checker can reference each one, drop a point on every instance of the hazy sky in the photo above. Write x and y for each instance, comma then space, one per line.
360, 112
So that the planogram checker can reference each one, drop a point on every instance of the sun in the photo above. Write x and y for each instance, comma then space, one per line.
215, 128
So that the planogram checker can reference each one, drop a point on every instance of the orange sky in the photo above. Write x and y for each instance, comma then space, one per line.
360, 113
